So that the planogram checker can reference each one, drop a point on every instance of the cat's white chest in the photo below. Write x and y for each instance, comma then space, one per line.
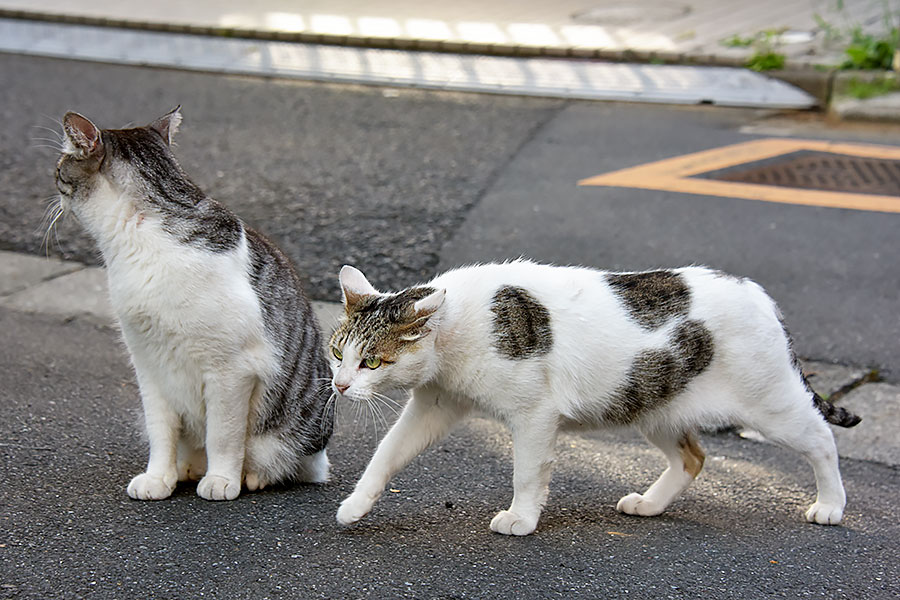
187, 314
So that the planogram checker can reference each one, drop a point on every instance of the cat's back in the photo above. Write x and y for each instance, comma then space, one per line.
555, 307
589, 310
287, 312
553, 285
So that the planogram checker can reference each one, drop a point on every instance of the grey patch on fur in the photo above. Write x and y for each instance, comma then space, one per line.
295, 406
378, 323
521, 324
656, 376
693, 343
652, 297
187, 213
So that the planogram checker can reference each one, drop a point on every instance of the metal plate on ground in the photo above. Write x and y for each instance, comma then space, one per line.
819, 171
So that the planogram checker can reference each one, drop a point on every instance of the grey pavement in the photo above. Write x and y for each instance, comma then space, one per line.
70, 440
408, 183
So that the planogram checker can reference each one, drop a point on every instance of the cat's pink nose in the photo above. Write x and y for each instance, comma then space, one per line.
341, 388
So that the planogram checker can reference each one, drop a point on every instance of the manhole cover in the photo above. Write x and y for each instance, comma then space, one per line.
814, 170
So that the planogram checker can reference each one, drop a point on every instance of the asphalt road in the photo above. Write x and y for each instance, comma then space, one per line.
70, 443
403, 183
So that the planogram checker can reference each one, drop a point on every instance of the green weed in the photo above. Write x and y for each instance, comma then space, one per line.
869, 89
766, 61
869, 51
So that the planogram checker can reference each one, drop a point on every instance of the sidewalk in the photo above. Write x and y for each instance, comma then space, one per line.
809, 33
643, 30
70, 290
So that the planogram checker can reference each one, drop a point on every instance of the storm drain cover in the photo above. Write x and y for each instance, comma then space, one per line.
813, 170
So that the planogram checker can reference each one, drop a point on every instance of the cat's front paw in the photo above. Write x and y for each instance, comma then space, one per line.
151, 487
510, 523
218, 487
824, 514
636, 504
353, 508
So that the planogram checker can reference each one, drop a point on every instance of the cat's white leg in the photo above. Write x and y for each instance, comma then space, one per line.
534, 451
227, 397
163, 427
807, 433
685, 457
426, 418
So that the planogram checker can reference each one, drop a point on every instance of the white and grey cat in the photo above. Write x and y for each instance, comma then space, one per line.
223, 341
545, 349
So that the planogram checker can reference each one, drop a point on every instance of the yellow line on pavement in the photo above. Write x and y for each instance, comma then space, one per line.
674, 174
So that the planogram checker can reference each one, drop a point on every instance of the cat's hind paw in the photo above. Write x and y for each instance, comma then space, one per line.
353, 508
636, 504
254, 481
510, 523
824, 514
218, 487
189, 472
151, 487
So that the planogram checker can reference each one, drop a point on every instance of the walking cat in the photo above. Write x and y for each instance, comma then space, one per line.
223, 341
545, 349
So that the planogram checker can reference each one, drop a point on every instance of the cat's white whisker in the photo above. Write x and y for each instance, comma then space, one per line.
58, 212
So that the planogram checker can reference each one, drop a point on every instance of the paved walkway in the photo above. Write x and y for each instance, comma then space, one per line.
679, 32
70, 290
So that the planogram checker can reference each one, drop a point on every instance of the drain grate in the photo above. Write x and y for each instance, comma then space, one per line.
814, 170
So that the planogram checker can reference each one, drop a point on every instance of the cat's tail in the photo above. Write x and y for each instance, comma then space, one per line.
837, 415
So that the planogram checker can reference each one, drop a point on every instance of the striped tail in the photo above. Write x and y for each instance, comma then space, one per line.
836, 415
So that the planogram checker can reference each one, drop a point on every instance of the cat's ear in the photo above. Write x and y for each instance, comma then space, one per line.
428, 305
416, 326
83, 135
167, 126
355, 286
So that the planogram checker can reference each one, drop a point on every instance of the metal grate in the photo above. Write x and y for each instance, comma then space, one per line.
818, 171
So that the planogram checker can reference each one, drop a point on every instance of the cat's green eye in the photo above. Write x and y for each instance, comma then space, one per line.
337, 353
373, 363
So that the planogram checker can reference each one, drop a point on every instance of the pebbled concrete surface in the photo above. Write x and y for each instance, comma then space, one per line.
314, 166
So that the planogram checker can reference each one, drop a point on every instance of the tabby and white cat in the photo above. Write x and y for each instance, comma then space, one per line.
545, 349
223, 341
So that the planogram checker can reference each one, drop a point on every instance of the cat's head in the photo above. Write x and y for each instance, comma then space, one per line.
115, 172
384, 341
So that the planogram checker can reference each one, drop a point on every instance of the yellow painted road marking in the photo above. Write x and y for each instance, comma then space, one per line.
674, 174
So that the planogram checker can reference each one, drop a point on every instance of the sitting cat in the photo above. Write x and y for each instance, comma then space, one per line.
223, 341
545, 349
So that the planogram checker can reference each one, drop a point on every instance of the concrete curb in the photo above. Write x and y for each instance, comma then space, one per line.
393, 43
821, 83
71, 290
